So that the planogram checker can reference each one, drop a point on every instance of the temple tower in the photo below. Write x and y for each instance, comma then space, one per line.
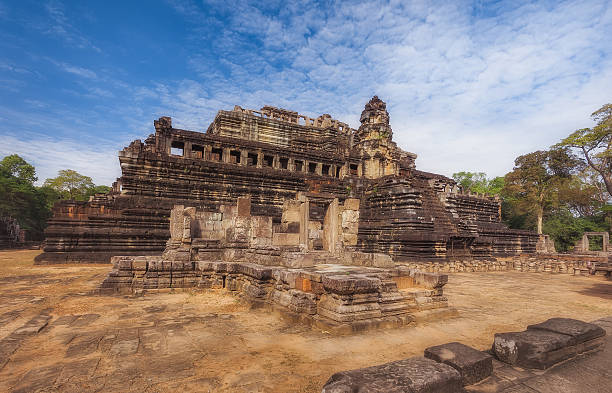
379, 154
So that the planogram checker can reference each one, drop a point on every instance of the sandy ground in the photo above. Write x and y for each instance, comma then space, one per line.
210, 341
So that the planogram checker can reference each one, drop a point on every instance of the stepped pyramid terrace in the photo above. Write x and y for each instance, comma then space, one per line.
273, 156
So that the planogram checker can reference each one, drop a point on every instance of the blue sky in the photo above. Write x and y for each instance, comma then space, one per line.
469, 84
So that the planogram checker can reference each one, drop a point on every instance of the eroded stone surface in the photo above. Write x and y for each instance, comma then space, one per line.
547, 343
473, 365
414, 375
579, 330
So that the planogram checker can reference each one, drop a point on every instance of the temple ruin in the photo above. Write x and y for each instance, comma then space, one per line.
275, 157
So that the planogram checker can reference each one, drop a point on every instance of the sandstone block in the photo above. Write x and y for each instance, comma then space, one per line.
351, 204
350, 284
292, 215
429, 280
349, 239
538, 349
286, 239
414, 375
473, 365
580, 331
139, 264
244, 207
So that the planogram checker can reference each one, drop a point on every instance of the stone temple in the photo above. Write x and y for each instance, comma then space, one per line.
355, 191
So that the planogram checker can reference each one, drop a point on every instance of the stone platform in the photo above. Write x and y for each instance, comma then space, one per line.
333, 297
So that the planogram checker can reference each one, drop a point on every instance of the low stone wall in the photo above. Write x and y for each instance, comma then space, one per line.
450, 367
335, 297
546, 263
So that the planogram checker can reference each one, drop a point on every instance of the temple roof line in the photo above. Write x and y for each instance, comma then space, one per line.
280, 114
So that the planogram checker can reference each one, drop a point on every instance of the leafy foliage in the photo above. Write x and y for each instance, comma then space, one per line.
566, 229
479, 183
19, 198
70, 184
31, 205
595, 144
533, 185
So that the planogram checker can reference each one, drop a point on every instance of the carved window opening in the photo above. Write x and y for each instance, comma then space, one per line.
354, 169
325, 169
284, 162
177, 148
299, 165
216, 154
338, 172
197, 151
312, 167
235, 156
268, 160
252, 159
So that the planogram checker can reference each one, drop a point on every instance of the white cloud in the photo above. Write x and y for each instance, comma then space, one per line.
49, 155
79, 71
466, 91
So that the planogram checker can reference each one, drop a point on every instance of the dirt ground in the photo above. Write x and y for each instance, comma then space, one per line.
56, 336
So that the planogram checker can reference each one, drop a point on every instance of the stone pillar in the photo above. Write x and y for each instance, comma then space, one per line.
330, 227
304, 218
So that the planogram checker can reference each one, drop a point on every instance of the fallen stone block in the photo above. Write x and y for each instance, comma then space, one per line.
538, 349
580, 331
473, 365
414, 375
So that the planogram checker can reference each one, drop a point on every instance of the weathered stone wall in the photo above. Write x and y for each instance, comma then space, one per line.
533, 263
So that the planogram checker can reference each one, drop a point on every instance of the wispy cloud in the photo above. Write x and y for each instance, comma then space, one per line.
50, 155
468, 87
62, 27
79, 71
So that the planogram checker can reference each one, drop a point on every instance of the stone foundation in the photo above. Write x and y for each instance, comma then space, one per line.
332, 297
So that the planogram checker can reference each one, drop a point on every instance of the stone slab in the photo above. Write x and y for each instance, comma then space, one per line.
473, 365
538, 349
579, 330
413, 375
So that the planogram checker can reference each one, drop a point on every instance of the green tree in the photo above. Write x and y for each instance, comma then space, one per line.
533, 185
16, 167
566, 229
97, 190
478, 182
595, 144
19, 198
71, 185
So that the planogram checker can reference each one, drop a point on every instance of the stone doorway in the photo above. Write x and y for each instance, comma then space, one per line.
322, 223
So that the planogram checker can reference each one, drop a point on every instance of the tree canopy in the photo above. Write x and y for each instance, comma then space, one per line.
534, 182
595, 144
479, 183
71, 185
31, 205
19, 198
